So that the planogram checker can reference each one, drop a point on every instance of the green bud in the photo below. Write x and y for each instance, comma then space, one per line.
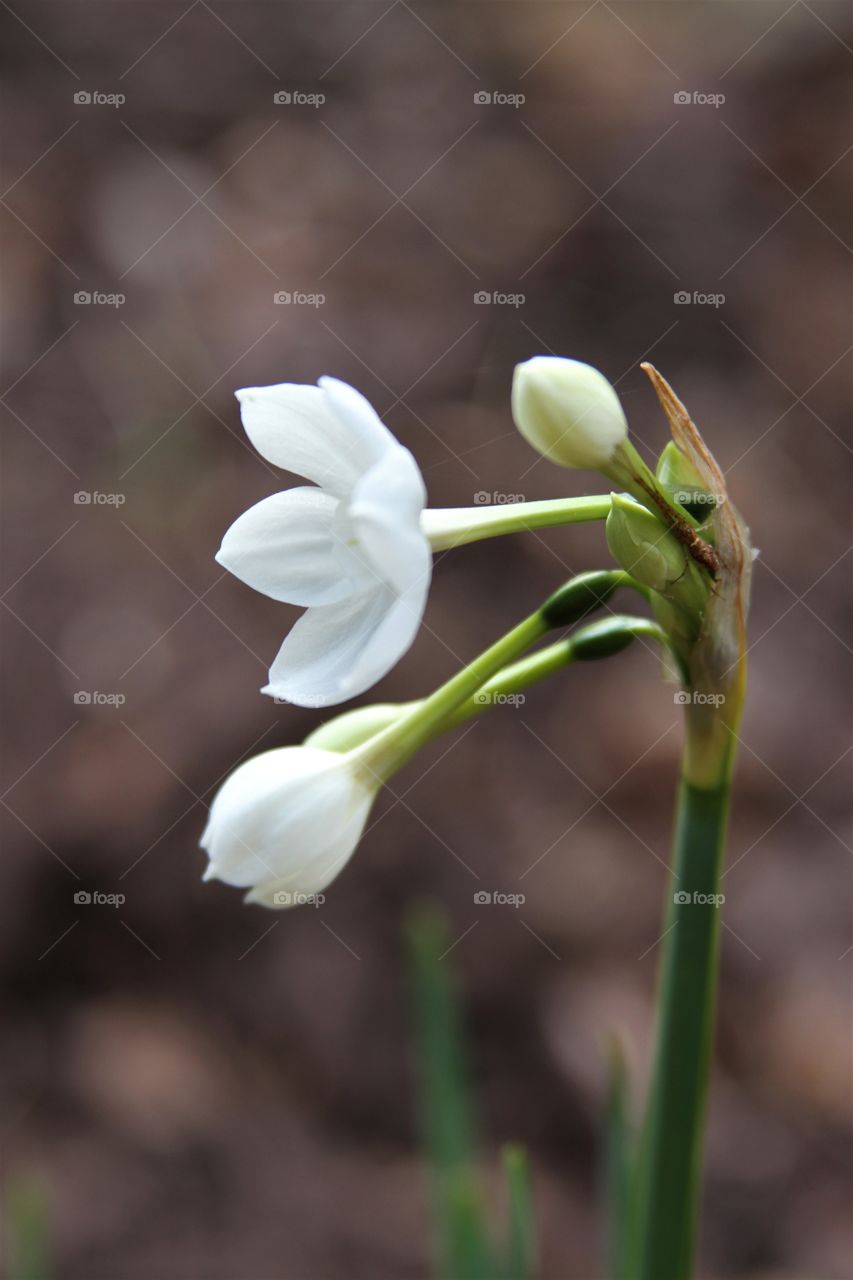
601, 639
643, 545
683, 483
582, 595
352, 728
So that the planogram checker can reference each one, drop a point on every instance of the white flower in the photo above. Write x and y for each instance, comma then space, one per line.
285, 823
351, 549
568, 411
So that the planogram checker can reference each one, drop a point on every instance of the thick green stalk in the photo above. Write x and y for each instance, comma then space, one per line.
454, 526
668, 1179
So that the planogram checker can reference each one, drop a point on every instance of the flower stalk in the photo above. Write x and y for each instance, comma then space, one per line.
447, 527
385, 753
667, 1179
669, 1173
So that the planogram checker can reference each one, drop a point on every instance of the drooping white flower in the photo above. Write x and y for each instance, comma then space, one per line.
351, 549
285, 823
568, 411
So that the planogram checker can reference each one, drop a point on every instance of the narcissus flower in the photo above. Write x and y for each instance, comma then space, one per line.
351, 549
568, 411
285, 823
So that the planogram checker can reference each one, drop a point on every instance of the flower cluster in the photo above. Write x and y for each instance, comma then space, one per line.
354, 547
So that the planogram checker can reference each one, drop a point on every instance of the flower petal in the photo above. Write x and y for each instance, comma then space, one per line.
286, 547
297, 428
327, 863
385, 510
336, 651
357, 413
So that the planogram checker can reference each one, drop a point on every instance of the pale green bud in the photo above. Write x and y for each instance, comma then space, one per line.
644, 546
568, 411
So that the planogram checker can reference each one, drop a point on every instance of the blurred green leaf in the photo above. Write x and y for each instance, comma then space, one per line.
26, 1230
617, 1166
521, 1224
464, 1252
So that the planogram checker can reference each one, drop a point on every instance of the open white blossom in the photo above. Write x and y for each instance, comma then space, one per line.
350, 547
286, 822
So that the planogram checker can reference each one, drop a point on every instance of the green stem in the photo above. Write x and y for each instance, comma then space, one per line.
521, 675
392, 747
666, 1191
454, 526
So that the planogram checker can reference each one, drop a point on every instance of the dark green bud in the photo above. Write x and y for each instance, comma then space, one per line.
579, 597
601, 639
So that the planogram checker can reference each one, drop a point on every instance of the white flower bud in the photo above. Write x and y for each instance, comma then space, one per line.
568, 411
286, 822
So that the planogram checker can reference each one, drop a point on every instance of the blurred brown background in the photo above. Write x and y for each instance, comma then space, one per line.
209, 1091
